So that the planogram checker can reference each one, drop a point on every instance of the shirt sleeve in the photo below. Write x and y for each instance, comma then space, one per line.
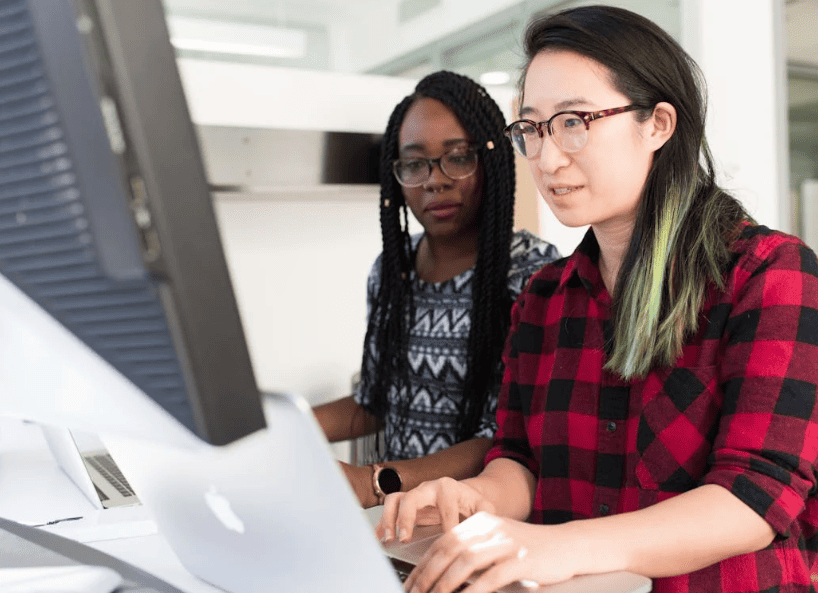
511, 440
766, 447
369, 362
529, 254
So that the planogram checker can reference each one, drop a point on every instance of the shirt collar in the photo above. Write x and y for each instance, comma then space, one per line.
583, 266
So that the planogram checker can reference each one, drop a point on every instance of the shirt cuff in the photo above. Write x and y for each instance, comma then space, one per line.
500, 452
776, 502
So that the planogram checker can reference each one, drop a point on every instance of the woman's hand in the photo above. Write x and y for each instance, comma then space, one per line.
444, 501
501, 550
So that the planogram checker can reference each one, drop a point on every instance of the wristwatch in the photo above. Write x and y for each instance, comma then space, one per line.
385, 480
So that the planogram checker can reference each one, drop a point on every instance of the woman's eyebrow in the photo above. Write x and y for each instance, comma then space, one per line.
561, 106
524, 111
420, 147
569, 103
410, 147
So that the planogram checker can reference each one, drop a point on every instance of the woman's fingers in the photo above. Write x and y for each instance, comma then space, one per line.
449, 498
482, 544
408, 507
403, 510
430, 498
499, 575
385, 529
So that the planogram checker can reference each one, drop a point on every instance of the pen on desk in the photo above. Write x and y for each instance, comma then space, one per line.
55, 521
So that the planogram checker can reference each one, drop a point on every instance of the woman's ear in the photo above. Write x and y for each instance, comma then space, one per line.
661, 125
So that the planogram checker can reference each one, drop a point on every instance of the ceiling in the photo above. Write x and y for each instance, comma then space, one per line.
395, 37
413, 37
271, 11
462, 42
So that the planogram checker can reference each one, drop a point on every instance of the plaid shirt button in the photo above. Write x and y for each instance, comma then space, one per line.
611, 427
604, 509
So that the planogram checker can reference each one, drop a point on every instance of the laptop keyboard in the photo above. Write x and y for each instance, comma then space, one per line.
105, 465
402, 569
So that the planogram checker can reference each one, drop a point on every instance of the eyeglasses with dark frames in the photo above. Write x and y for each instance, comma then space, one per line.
455, 164
568, 129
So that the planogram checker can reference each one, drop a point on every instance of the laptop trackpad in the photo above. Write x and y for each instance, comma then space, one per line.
413, 550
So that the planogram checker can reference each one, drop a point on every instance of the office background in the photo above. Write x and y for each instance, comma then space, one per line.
263, 77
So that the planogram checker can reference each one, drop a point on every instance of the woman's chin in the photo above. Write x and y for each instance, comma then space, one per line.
571, 219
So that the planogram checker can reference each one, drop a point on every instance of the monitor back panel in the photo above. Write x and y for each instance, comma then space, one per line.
105, 215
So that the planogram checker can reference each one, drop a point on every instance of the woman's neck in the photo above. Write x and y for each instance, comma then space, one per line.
613, 243
440, 259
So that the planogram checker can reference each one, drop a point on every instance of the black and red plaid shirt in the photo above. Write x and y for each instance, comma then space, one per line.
737, 409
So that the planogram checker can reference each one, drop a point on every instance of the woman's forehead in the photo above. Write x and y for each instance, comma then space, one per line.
430, 122
557, 80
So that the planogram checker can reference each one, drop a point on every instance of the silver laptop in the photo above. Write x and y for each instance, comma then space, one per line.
90, 466
273, 512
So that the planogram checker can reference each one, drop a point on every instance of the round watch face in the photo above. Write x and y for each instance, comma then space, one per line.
389, 480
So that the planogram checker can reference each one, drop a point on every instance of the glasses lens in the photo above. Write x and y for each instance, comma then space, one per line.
411, 172
569, 132
458, 165
525, 138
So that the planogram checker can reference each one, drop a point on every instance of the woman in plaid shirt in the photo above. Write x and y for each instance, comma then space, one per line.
657, 413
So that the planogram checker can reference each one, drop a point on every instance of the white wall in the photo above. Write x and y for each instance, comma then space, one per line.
299, 270
252, 96
740, 47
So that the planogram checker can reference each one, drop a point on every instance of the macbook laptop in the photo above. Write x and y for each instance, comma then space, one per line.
273, 511
90, 466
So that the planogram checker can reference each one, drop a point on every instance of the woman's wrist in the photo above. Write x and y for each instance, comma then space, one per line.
595, 551
369, 498
360, 478
507, 486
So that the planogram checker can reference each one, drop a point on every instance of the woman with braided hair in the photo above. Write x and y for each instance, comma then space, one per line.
439, 301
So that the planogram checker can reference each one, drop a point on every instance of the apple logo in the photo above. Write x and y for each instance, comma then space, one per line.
223, 511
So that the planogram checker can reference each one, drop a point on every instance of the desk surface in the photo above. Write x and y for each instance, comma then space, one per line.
35, 491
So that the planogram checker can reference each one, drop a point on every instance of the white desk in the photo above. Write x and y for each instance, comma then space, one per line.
35, 491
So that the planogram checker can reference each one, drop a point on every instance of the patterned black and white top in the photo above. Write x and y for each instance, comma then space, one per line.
437, 353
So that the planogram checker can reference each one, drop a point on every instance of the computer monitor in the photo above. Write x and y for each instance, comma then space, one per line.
108, 232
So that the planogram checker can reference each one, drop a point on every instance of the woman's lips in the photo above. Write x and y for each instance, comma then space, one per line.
443, 210
563, 190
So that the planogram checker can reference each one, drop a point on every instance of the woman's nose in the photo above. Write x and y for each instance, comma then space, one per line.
437, 178
551, 157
